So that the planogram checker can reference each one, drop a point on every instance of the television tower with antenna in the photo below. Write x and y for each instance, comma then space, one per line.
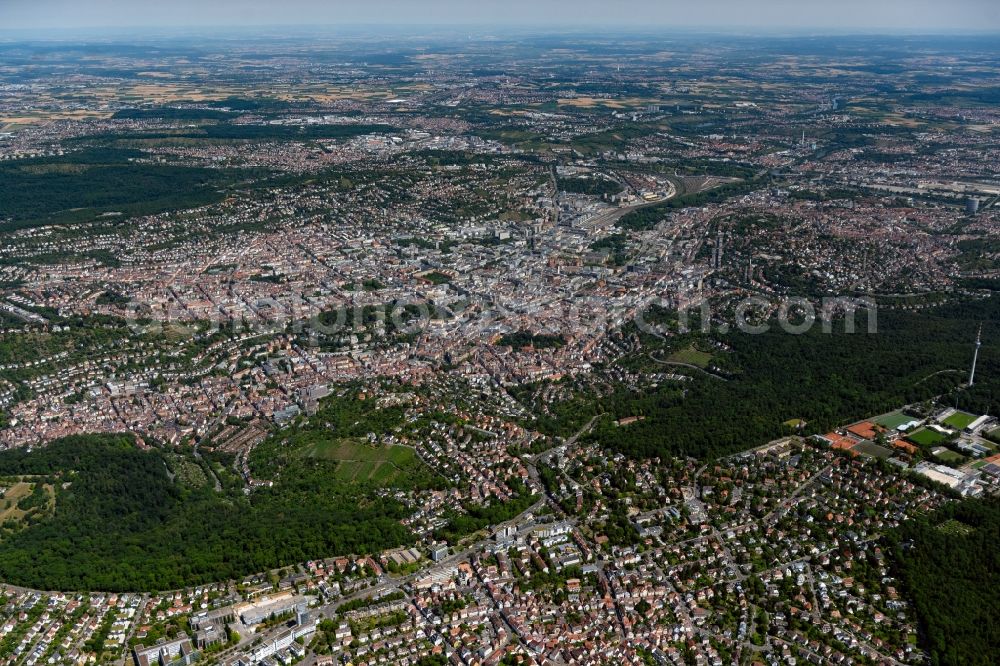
975, 356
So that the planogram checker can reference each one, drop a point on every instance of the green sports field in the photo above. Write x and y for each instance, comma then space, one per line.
951, 456
926, 437
959, 420
873, 450
893, 420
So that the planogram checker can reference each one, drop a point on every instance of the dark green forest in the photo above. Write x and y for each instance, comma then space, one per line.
102, 177
521, 339
647, 217
173, 113
948, 562
235, 132
593, 186
767, 379
121, 523
83, 184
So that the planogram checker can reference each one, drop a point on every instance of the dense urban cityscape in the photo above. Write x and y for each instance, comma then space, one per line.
499, 348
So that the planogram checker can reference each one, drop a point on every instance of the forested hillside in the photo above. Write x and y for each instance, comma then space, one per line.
824, 378
949, 563
122, 523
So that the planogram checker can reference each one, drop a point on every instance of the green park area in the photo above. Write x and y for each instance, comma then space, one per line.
358, 461
124, 518
691, 355
24, 499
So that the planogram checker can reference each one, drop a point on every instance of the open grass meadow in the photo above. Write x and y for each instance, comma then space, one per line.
691, 355
361, 462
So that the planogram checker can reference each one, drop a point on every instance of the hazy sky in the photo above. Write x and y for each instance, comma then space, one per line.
903, 15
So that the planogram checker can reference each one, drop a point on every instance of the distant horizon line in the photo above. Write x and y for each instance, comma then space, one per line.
483, 28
